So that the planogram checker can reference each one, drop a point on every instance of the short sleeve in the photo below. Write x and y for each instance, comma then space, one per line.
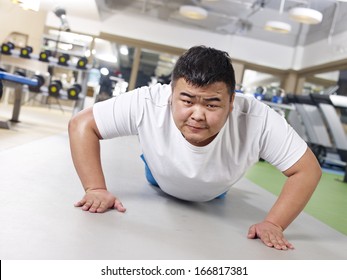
280, 145
118, 116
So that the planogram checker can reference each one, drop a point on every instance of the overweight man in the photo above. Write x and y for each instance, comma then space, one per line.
198, 138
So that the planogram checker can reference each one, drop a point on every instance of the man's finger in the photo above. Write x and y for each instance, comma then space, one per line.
87, 205
80, 203
95, 206
102, 208
251, 232
119, 206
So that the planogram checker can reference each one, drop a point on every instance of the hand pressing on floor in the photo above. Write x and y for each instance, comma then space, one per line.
270, 234
85, 150
99, 201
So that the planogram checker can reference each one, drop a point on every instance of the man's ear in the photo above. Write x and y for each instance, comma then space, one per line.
232, 98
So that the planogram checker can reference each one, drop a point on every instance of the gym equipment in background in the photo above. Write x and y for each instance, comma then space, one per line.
54, 88
317, 133
73, 92
41, 81
19, 79
45, 55
63, 59
16, 82
328, 105
6, 48
25, 52
1, 88
82, 63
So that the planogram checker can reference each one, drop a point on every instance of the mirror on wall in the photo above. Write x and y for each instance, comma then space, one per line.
111, 68
263, 86
155, 67
118, 62
320, 83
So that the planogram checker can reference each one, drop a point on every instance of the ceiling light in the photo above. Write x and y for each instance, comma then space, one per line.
306, 15
124, 50
104, 71
278, 26
193, 12
33, 5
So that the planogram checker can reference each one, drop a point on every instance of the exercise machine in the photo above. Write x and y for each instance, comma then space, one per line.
309, 121
17, 82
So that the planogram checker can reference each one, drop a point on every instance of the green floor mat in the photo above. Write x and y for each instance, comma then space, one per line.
328, 203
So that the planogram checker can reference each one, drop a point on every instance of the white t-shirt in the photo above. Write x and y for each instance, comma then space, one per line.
252, 131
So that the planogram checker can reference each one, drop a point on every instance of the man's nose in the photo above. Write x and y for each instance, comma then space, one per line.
198, 113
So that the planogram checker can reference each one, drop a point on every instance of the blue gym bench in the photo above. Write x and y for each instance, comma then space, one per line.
16, 82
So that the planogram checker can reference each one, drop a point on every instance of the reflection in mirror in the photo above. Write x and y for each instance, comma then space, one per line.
155, 67
111, 67
263, 86
320, 83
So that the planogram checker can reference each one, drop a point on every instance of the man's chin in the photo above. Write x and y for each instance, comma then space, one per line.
198, 141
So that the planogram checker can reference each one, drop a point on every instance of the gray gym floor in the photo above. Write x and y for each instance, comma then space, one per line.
38, 187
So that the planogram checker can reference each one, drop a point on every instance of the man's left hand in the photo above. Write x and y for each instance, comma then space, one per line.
270, 234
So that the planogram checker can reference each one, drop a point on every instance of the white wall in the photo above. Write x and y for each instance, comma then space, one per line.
77, 25
239, 47
14, 18
322, 52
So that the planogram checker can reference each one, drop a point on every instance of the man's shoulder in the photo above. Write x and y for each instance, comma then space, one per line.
247, 104
155, 89
159, 94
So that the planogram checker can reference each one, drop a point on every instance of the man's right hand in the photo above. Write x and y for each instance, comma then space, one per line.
99, 200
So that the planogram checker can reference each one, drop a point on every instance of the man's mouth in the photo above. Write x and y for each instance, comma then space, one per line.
197, 127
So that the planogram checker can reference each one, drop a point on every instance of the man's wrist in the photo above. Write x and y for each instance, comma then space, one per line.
95, 189
275, 224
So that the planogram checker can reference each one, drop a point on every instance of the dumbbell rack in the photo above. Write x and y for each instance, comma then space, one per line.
54, 62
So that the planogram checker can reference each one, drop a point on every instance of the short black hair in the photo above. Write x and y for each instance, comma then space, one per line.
201, 66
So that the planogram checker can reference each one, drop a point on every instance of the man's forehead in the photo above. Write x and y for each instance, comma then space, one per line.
219, 89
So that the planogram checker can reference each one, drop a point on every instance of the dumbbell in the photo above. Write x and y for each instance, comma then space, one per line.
44, 55
73, 92
20, 72
25, 52
82, 63
40, 80
6, 48
54, 88
63, 59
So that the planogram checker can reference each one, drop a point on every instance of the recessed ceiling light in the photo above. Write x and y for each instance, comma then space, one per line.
278, 26
193, 12
306, 15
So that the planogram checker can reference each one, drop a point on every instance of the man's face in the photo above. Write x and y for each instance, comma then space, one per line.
200, 113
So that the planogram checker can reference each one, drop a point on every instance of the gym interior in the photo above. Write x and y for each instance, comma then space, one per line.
60, 57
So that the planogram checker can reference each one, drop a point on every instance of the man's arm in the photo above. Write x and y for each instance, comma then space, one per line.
303, 177
85, 150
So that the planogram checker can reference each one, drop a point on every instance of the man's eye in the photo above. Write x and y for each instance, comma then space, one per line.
211, 106
187, 101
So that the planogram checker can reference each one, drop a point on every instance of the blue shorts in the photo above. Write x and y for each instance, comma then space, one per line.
152, 181
148, 173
